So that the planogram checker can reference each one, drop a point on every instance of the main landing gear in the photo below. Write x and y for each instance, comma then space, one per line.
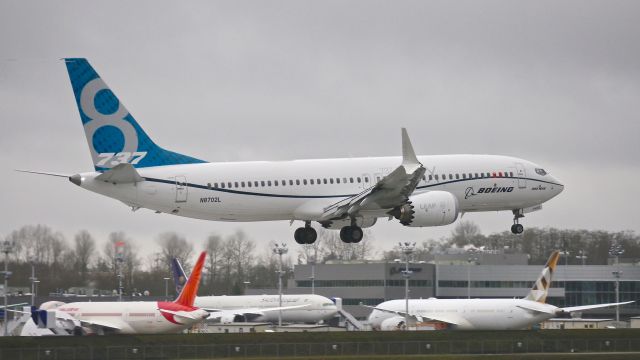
351, 234
305, 235
517, 228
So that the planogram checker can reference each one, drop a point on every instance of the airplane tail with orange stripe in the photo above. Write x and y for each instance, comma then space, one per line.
541, 287
190, 290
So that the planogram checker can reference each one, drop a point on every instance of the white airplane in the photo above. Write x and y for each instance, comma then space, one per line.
477, 314
130, 317
303, 308
342, 194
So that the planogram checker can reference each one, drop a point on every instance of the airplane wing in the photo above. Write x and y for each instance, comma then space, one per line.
120, 174
589, 307
97, 323
391, 191
216, 313
417, 317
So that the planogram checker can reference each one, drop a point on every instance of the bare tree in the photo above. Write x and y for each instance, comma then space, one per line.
332, 248
175, 246
466, 233
131, 261
215, 252
83, 252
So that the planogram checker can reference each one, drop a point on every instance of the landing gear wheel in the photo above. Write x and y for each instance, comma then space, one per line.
517, 229
305, 235
351, 234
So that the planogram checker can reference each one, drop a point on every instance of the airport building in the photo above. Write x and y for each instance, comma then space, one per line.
453, 276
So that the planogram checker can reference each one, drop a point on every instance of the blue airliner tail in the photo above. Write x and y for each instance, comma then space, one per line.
113, 134
179, 277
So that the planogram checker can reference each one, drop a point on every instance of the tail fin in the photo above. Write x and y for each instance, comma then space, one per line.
179, 277
188, 294
541, 287
113, 134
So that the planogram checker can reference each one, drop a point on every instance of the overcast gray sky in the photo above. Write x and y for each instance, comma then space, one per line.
554, 82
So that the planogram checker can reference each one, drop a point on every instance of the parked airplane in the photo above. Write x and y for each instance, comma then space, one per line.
303, 308
130, 317
477, 314
342, 194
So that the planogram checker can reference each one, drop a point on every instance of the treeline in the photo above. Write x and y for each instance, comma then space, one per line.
236, 263
537, 242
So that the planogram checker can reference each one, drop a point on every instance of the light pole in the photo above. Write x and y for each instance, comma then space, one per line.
119, 247
616, 250
280, 250
472, 257
407, 249
166, 288
246, 286
7, 248
582, 257
32, 260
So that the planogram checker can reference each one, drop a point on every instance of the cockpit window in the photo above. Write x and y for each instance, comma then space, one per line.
541, 172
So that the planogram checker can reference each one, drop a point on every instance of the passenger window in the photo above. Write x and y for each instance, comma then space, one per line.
464, 176
304, 181
262, 183
311, 181
229, 185
331, 180
269, 182
488, 175
457, 177
430, 177
236, 184
344, 180
358, 180
318, 182
337, 180
366, 179
378, 178
436, 177
209, 186
470, 175
351, 180
297, 181
215, 185
242, 183
249, 183
290, 182
275, 182
500, 174
324, 181
511, 173
222, 185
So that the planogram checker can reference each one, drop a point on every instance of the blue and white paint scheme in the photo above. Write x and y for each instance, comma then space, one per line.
344, 194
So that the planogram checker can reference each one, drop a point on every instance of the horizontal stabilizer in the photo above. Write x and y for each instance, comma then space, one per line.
121, 174
536, 310
589, 307
179, 314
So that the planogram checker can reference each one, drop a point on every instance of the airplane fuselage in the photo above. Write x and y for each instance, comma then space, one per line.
295, 190
314, 308
471, 314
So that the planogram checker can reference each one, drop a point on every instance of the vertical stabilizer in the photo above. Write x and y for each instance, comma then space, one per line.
188, 294
541, 287
179, 277
113, 135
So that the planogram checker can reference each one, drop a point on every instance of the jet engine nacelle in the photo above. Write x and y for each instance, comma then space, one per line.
393, 324
433, 208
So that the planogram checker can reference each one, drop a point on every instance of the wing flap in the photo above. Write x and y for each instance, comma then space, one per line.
419, 318
596, 306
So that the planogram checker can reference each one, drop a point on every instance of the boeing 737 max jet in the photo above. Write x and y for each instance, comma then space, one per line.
342, 194
478, 314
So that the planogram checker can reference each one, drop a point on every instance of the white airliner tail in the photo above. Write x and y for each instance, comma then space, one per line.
540, 289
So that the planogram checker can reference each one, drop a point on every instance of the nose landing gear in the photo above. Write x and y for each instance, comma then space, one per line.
517, 228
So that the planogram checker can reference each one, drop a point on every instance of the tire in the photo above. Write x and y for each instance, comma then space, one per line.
356, 234
345, 234
519, 228
310, 235
513, 229
299, 235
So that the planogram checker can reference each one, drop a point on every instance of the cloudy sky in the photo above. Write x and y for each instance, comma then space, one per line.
554, 82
